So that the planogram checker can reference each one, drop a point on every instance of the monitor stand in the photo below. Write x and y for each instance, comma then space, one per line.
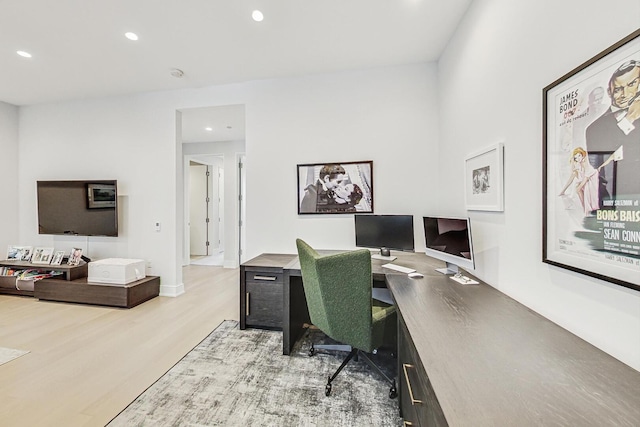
449, 269
384, 255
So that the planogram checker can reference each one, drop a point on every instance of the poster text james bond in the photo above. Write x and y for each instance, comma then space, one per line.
591, 200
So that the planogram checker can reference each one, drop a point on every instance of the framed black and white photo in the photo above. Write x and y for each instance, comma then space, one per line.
41, 256
483, 179
335, 188
101, 196
591, 166
57, 258
19, 253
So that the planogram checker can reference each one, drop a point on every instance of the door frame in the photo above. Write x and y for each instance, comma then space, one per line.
186, 239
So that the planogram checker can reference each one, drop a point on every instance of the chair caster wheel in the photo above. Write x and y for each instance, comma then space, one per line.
312, 351
393, 393
327, 389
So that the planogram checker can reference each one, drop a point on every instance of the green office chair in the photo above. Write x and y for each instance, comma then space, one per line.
338, 292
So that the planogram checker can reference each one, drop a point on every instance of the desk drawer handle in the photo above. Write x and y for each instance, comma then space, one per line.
406, 376
269, 278
247, 304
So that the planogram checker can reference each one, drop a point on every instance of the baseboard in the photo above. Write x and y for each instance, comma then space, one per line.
171, 291
230, 264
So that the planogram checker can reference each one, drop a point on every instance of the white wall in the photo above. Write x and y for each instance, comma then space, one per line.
386, 115
491, 78
130, 139
9, 177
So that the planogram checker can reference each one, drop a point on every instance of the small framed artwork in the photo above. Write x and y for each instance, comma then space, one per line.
483, 179
590, 173
27, 252
42, 256
335, 188
101, 196
74, 258
57, 258
19, 253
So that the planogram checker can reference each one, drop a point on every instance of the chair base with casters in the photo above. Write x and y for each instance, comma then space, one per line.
330, 347
393, 393
353, 354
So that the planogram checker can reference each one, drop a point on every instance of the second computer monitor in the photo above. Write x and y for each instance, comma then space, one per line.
385, 231
449, 239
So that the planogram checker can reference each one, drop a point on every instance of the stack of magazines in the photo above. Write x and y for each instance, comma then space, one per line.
28, 274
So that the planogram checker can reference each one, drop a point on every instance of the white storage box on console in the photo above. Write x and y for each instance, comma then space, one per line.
117, 271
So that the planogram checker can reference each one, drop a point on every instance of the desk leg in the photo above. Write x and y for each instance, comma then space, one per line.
243, 291
295, 312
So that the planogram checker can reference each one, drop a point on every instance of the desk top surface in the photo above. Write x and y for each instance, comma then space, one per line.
278, 261
406, 259
492, 361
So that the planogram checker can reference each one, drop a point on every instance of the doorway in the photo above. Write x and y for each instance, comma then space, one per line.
206, 210
213, 137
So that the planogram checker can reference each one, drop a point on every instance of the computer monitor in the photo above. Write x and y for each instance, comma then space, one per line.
385, 232
449, 240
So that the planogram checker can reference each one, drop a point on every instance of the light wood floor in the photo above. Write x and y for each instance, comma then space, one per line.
87, 363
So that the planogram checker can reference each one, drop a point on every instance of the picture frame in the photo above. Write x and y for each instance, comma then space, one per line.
335, 187
41, 255
591, 181
19, 253
57, 258
75, 256
101, 196
484, 179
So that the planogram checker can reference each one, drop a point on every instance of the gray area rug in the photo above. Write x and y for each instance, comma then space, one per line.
9, 354
241, 378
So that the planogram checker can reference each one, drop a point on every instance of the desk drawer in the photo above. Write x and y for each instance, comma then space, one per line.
263, 304
263, 277
418, 403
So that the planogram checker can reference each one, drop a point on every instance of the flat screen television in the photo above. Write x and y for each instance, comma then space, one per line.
385, 232
449, 240
78, 208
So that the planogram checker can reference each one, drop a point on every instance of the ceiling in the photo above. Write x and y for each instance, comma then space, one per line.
213, 124
79, 49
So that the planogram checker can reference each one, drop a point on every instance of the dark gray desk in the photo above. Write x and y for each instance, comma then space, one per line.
271, 293
487, 359
493, 362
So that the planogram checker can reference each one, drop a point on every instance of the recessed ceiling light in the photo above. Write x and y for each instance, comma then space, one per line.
23, 54
257, 16
208, 129
131, 36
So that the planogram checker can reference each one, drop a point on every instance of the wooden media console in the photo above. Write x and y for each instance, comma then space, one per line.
72, 286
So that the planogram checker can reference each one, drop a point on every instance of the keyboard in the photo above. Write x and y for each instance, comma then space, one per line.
399, 268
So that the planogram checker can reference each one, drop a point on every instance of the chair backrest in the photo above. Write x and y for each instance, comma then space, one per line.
338, 292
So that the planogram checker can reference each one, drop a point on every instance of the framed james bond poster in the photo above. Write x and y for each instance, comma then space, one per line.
591, 166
